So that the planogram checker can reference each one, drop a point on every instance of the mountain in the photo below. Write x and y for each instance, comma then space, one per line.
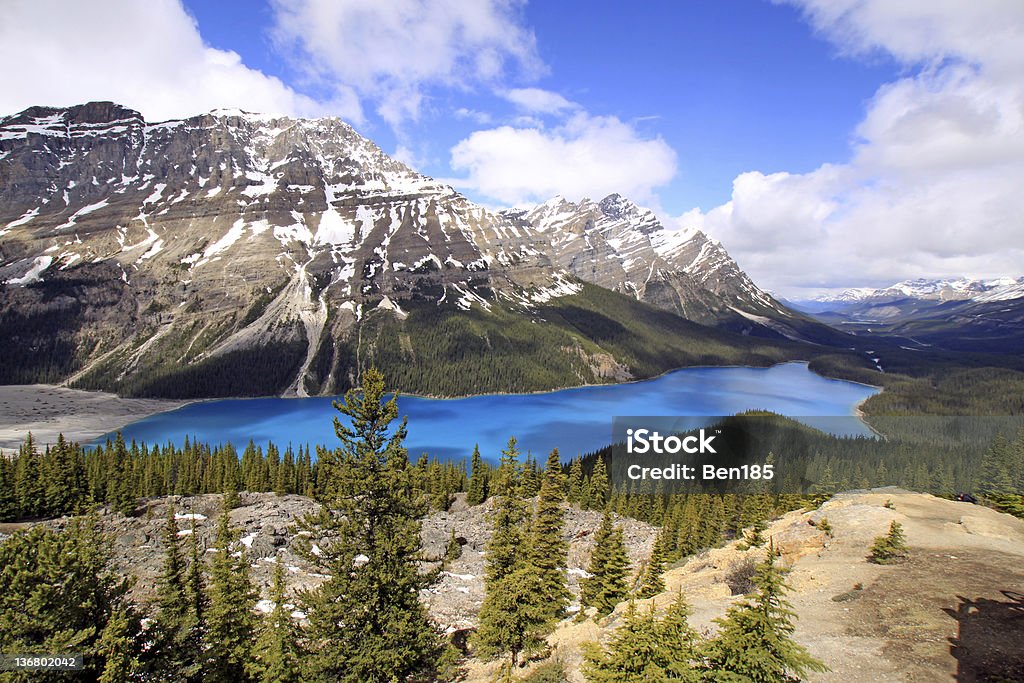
237, 253
621, 246
944, 289
958, 314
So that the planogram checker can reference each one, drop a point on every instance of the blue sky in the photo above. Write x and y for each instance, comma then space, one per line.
731, 86
826, 143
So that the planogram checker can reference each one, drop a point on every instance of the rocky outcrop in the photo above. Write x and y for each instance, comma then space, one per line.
268, 530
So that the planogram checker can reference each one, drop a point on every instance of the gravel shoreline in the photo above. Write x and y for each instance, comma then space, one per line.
46, 411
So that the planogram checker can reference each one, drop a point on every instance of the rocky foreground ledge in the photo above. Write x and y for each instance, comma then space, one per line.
951, 611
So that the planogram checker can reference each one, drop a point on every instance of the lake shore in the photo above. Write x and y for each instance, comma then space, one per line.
47, 411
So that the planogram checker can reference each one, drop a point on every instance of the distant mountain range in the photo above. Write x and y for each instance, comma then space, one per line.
237, 253
945, 289
960, 314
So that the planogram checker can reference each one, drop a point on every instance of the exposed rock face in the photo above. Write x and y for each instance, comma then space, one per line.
267, 526
174, 243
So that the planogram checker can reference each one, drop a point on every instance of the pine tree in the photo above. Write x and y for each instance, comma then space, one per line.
366, 622
195, 595
597, 494
276, 655
754, 642
609, 566
576, 483
651, 581
507, 478
679, 651
631, 655
28, 481
119, 648
511, 618
453, 550
891, 548
230, 624
174, 647
547, 551
60, 595
477, 492
9, 509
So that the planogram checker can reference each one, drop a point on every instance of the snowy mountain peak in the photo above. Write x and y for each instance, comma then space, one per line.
940, 289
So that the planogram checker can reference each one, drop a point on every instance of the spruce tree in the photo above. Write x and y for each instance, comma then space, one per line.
507, 478
511, 618
477, 492
276, 655
631, 655
547, 551
119, 648
366, 622
651, 581
598, 492
230, 623
576, 483
609, 566
754, 642
891, 548
9, 509
679, 652
174, 649
60, 594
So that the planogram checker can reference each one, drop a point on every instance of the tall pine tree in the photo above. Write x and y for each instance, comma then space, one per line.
547, 551
477, 492
366, 622
230, 625
609, 566
276, 655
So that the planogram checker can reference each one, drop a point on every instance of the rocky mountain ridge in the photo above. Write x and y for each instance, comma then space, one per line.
131, 249
942, 289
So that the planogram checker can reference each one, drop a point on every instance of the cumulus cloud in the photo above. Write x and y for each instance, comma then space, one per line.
932, 187
392, 51
145, 55
582, 156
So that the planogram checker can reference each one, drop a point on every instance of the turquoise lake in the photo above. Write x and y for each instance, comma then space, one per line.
573, 420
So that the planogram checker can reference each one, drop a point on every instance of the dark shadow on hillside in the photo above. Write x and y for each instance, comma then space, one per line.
990, 643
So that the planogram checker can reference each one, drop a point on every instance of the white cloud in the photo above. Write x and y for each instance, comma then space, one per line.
146, 55
538, 100
392, 51
584, 156
933, 184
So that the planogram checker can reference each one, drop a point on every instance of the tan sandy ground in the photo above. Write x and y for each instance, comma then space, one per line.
81, 416
954, 611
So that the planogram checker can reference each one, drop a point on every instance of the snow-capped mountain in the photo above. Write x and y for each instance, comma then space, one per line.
130, 247
945, 289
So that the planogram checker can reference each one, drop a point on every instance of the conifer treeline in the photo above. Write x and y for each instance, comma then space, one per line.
66, 478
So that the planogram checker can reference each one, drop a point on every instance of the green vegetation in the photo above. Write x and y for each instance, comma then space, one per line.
648, 648
609, 567
525, 591
60, 596
455, 352
754, 640
366, 623
891, 548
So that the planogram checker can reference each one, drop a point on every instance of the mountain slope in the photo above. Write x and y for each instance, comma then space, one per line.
958, 314
235, 253
623, 247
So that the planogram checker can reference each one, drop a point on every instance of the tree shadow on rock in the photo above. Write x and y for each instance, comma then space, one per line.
990, 644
